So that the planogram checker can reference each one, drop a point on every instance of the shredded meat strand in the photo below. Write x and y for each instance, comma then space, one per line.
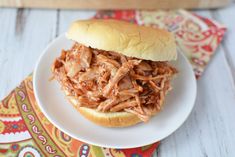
122, 71
111, 82
123, 105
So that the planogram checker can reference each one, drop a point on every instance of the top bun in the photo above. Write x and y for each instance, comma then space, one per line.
125, 38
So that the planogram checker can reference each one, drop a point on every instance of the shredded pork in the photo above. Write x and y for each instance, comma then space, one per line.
111, 82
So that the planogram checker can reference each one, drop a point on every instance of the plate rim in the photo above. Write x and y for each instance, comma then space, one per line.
54, 122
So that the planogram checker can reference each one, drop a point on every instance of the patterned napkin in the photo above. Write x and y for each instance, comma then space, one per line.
26, 132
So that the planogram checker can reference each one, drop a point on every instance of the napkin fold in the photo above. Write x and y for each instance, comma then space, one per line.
25, 131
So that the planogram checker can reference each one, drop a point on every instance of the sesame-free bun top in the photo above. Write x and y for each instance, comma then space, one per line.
125, 38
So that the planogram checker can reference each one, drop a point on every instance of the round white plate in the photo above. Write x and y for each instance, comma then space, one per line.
51, 100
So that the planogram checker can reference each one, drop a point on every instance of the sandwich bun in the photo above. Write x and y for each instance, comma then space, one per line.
125, 38
110, 119
107, 119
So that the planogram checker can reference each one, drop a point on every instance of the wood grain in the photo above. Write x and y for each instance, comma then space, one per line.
224, 16
24, 34
7, 17
68, 16
114, 4
20, 21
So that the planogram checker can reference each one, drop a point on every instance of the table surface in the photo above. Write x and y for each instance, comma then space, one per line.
209, 130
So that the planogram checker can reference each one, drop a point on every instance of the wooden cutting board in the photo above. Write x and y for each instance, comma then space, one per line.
114, 4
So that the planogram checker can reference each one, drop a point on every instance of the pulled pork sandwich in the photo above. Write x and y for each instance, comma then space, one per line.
116, 74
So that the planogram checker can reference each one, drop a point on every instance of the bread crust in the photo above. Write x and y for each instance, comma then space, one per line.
111, 119
128, 39
107, 119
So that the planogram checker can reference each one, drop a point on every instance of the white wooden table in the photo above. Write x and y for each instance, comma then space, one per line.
209, 130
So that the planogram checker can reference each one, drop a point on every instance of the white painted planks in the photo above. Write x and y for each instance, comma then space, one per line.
24, 34
226, 16
68, 16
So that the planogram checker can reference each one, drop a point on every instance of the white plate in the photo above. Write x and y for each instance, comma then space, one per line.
178, 105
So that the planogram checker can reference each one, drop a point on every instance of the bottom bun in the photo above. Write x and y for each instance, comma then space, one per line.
110, 119
107, 119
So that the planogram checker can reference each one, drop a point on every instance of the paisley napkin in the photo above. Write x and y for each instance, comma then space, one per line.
26, 132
